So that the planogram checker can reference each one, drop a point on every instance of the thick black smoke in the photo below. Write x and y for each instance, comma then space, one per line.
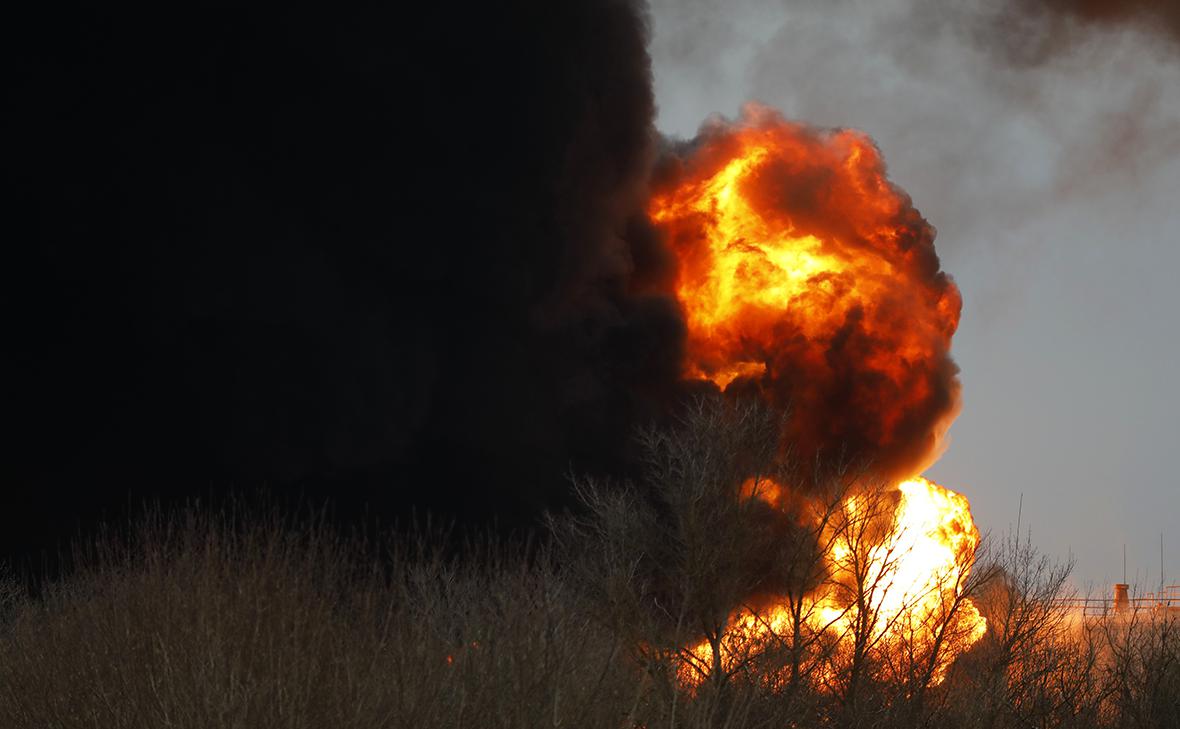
389, 255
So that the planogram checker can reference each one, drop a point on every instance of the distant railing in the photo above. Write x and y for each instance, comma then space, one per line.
1167, 599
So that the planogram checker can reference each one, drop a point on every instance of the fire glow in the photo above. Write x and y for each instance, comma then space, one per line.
808, 278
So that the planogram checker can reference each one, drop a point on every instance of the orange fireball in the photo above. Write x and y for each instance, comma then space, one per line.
805, 274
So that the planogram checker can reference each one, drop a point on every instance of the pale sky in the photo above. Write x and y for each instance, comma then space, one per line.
1055, 189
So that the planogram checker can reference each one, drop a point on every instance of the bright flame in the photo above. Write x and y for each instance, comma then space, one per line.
894, 589
914, 576
804, 273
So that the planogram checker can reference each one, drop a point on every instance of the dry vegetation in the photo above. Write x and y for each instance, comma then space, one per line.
203, 620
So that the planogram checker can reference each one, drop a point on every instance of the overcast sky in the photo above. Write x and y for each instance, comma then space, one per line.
1048, 157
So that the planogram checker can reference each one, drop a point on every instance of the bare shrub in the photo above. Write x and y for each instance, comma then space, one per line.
1046, 662
664, 563
209, 620
714, 588
1141, 651
686, 601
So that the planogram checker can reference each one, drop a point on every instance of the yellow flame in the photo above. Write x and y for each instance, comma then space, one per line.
909, 582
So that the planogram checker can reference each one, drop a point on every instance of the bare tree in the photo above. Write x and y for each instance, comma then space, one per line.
667, 561
1028, 643
804, 647
1143, 658
720, 566
928, 640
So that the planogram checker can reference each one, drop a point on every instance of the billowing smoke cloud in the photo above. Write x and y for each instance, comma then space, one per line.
382, 253
1121, 55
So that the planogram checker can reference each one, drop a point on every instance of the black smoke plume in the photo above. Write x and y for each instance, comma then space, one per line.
393, 256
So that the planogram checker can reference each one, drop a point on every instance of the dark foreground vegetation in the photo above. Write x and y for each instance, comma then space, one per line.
223, 619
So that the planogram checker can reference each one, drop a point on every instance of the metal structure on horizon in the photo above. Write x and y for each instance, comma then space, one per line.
1165, 601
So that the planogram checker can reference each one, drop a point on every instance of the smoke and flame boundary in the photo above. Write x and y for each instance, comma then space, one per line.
807, 277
